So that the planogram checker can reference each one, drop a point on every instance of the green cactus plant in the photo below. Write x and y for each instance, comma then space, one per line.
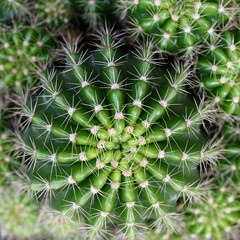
54, 14
6, 160
178, 26
160, 235
216, 218
115, 139
59, 226
23, 49
229, 165
94, 12
18, 214
219, 72
10, 8
6, 145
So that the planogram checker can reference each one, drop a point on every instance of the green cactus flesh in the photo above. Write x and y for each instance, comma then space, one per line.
115, 139
219, 72
22, 51
160, 235
178, 26
217, 217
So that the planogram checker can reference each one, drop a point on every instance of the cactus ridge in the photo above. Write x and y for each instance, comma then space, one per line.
115, 140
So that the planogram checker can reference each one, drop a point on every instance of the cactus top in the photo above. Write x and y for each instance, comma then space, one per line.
114, 139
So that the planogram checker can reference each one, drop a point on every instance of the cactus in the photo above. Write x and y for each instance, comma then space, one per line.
18, 214
229, 167
6, 146
114, 139
23, 48
59, 226
9, 9
6, 160
178, 26
94, 12
159, 235
52, 13
218, 70
216, 218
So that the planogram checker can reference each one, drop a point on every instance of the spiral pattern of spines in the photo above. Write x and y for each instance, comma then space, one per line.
114, 139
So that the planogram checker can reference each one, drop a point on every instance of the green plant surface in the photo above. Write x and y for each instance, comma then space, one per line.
23, 50
160, 235
178, 26
12, 8
94, 12
216, 217
218, 69
18, 214
115, 139
229, 165
53, 13
6, 160
59, 226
